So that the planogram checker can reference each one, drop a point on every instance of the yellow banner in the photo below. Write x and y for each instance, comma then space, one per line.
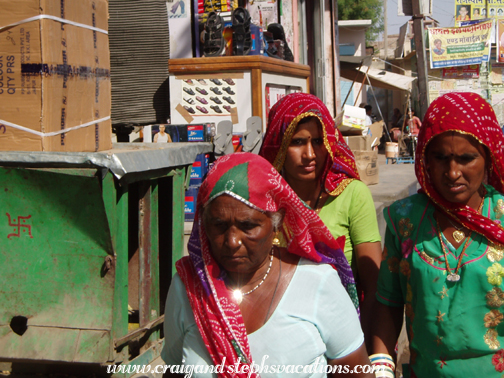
500, 41
467, 10
450, 47
495, 9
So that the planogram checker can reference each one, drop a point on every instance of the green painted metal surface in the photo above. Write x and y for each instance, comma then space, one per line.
179, 179
115, 198
65, 241
54, 243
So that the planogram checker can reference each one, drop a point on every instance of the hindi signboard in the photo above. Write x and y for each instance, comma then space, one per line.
450, 47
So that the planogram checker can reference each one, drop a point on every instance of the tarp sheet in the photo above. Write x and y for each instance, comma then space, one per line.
352, 69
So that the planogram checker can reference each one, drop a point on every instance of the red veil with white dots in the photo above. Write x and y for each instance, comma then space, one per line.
469, 114
252, 180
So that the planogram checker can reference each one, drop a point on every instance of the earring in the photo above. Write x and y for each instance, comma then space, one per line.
240, 242
276, 240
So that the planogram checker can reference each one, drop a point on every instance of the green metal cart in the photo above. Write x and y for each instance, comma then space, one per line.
87, 252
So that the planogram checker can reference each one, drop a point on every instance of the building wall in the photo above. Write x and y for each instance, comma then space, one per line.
329, 60
355, 35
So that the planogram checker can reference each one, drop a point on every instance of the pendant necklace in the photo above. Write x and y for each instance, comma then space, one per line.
452, 277
455, 276
458, 234
237, 293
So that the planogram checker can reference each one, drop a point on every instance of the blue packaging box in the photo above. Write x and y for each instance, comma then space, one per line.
257, 40
191, 196
196, 133
198, 171
207, 163
178, 133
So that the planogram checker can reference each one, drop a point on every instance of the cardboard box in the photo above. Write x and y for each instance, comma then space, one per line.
54, 76
376, 132
367, 166
353, 120
358, 142
366, 142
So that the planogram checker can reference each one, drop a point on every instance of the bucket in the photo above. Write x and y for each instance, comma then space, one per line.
391, 149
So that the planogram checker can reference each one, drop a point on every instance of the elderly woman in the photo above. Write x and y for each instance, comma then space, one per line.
444, 246
303, 145
241, 302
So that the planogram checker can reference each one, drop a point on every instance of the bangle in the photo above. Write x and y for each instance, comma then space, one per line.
382, 359
384, 374
383, 363
381, 356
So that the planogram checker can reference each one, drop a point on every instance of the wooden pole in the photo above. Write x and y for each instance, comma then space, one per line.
350, 90
418, 30
336, 55
385, 29
362, 84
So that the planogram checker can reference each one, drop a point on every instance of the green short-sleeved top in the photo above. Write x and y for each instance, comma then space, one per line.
455, 328
352, 214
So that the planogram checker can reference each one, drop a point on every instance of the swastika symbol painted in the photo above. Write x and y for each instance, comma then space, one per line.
20, 225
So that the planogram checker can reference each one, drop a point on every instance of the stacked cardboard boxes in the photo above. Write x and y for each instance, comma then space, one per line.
366, 155
54, 75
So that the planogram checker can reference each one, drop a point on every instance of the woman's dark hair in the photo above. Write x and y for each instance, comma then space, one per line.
307, 119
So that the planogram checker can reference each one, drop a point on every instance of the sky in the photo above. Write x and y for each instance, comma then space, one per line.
442, 11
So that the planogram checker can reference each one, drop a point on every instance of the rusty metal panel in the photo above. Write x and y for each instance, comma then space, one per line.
145, 246
57, 273
149, 251
115, 198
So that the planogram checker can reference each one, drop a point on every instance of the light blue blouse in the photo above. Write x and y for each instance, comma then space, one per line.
314, 321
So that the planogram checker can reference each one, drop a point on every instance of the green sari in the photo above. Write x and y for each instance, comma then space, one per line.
455, 329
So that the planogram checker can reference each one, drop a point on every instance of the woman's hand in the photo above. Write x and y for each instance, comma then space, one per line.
369, 257
353, 365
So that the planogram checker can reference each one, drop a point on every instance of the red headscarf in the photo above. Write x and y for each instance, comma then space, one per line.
339, 169
469, 114
253, 181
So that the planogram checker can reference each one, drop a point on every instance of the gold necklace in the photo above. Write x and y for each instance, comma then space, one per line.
237, 293
458, 234
454, 277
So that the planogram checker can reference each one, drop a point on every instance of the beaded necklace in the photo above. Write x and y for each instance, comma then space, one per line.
455, 276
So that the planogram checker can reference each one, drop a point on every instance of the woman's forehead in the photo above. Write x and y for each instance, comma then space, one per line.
450, 139
225, 206
230, 201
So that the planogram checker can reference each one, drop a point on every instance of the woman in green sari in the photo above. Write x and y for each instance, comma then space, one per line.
444, 248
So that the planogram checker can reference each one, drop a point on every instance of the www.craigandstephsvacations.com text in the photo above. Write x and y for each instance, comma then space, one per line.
319, 366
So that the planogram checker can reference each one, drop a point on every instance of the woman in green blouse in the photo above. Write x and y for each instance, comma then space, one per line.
442, 267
